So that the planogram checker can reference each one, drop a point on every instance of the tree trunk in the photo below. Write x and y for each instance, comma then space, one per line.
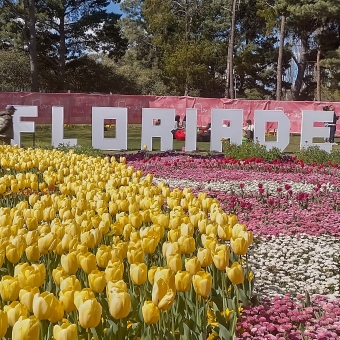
301, 65
318, 75
32, 46
279, 60
62, 54
318, 71
229, 84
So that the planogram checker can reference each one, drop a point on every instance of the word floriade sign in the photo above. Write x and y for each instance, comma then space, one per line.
219, 130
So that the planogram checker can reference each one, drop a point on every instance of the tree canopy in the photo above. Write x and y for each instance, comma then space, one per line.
276, 48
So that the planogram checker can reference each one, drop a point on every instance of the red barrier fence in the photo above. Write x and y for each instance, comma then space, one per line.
77, 106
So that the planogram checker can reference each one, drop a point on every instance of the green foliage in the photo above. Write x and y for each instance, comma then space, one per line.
313, 154
104, 79
249, 149
171, 47
80, 150
77, 149
14, 70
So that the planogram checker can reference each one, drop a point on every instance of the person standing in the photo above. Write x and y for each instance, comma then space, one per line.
326, 108
6, 125
184, 122
332, 125
248, 130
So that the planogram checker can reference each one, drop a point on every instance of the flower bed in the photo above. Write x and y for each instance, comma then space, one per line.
293, 211
90, 249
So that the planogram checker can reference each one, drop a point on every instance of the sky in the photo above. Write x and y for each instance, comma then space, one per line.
113, 8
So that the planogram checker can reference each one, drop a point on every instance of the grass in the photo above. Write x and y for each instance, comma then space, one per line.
83, 133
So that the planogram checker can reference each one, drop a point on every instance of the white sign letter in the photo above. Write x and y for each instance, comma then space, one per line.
58, 128
218, 131
261, 117
191, 130
99, 114
163, 130
20, 126
308, 131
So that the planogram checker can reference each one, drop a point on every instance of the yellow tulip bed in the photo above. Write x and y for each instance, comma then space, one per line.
91, 249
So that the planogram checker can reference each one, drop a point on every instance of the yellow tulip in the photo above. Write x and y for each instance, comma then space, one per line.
47, 243
149, 244
151, 274
119, 304
81, 296
170, 248
9, 288
224, 232
26, 329
174, 262
42, 305
67, 299
13, 253
166, 274
239, 246
135, 255
209, 242
103, 256
174, 235
118, 286
69, 262
232, 220
146, 216
66, 331
14, 311
70, 282
136, 220
31, 223
150, 313
238, 228
26, 296
187, 244
117, 253
19, 267
88, 262
138, 273
202, 282
192, 265
57, 273
182, 281
162, 296
33, 276
114, 271
90, 313
32, 238
221, 257
19, 242
57, 311
3, 323
32, 253
97, 281
127, 231
187, 229
235, 273
204, 257
87, 239
123, 249
247, 235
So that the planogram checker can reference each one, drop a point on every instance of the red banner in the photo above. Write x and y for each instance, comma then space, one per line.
77, 107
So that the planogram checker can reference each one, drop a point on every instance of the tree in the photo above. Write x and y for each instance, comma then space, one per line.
229, 85
71, 27
22, 16
14, 70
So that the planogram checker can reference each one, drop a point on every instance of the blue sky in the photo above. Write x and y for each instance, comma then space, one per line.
113, 8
